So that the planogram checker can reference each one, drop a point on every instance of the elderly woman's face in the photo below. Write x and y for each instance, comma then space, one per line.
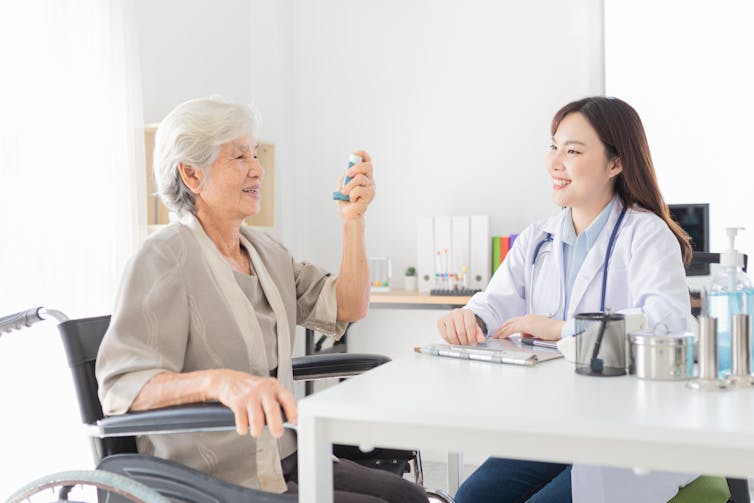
234, 183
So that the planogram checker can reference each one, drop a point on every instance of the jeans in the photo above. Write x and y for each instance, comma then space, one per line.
514, 481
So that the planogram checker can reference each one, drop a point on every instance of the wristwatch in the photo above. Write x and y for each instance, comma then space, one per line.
481, 323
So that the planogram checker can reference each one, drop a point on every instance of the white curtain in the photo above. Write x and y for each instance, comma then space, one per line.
71, 204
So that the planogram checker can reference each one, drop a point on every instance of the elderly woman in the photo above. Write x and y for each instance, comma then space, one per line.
208, 309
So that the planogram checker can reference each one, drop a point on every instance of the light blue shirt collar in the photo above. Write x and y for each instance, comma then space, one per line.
576, 248
590, 233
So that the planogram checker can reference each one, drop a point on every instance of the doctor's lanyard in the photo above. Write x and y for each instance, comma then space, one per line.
610, 244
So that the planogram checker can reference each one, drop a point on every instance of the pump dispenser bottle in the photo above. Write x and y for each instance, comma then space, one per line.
730, 290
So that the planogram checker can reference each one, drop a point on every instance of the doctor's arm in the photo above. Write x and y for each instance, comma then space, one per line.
504, 298
534, 325
657, 279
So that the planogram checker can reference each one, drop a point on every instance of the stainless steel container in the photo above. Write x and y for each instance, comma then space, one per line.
664, 357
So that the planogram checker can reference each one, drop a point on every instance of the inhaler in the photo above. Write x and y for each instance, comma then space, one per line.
731, 293
353, 159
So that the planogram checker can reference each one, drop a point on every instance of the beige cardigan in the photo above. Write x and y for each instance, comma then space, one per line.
177, 312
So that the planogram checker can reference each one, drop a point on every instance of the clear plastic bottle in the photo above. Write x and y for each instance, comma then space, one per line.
731, 293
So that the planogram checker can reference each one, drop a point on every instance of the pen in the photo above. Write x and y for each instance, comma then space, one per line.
539, 343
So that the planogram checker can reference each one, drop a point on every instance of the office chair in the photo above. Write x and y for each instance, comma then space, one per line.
702, 258
113, 438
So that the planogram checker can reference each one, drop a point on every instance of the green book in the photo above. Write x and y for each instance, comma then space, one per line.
495, 253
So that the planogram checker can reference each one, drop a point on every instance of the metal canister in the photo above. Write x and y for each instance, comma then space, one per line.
740, 353
707, 380
662, 356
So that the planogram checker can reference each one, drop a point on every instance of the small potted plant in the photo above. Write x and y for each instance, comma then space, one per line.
409, 279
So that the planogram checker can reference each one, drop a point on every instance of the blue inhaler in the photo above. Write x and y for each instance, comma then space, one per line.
353, 159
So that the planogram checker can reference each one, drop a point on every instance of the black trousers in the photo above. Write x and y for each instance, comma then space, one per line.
354, 483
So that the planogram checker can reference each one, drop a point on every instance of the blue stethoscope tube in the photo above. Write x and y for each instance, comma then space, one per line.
548, 238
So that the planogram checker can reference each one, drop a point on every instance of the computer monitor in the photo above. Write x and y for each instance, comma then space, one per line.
694, 219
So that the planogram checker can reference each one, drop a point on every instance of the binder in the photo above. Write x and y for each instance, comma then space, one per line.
495, 253
500, 248
504, 248
510, 351
425, 245
479, 251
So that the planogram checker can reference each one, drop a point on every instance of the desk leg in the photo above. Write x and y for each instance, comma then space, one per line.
455, 471
314, 462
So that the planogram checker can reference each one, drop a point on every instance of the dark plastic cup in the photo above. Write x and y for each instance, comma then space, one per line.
601, 344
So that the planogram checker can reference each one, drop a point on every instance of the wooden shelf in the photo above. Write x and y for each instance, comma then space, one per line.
398, 298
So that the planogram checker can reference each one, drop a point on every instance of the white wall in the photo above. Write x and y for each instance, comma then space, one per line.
452, 99
192, 48
239, 49
690, 77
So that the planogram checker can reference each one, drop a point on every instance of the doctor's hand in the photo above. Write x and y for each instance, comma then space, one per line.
531, 324
460, 327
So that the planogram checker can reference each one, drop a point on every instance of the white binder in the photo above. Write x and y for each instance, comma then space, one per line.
425, 262
480, 251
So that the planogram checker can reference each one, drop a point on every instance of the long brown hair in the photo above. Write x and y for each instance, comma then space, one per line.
620, 129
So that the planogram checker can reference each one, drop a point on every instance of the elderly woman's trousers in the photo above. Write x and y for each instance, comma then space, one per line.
353, 483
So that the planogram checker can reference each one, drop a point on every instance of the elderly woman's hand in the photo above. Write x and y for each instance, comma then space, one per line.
255, 401
360, 189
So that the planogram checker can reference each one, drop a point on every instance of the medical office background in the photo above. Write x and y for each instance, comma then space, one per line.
452, 99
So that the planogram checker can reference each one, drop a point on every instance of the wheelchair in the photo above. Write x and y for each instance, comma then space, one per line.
122, 474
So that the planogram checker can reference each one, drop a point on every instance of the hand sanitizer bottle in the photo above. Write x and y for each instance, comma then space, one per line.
729, 293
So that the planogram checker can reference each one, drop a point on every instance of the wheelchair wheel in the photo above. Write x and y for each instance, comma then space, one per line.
439, 495
84, 487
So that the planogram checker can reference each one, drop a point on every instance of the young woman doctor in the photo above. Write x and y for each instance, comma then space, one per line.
612, 246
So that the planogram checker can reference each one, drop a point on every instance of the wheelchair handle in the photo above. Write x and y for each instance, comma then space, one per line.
17, 321
25, 319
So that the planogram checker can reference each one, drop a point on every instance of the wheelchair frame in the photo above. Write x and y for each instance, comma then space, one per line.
129, 476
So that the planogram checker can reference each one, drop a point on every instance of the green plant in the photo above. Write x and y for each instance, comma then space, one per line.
411, 271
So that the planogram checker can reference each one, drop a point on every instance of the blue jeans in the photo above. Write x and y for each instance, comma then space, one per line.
516, 481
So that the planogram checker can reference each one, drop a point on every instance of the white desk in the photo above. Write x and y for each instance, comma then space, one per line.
542, 413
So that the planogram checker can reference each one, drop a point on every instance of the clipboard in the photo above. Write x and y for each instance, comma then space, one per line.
504, 351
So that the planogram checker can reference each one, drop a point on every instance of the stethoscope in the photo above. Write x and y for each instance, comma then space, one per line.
548, 239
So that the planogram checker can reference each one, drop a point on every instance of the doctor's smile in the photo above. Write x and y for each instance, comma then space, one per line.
559, 183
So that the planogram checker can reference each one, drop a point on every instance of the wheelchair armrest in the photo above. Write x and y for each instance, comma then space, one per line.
213, 416
334, 365
209, 416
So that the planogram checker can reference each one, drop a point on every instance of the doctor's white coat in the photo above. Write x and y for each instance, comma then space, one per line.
645, 274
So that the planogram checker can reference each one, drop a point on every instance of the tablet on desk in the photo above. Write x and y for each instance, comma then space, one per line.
509, 351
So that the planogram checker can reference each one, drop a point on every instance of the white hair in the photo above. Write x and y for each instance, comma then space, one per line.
193, 134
